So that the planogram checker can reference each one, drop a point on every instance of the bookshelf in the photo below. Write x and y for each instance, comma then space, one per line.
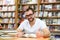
7, 14
50, 13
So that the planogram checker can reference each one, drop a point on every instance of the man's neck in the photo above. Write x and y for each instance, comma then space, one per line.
32, 23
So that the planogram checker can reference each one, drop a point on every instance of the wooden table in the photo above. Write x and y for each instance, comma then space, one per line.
15, 38
30, 39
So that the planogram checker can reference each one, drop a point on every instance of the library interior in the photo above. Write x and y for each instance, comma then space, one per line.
29, 19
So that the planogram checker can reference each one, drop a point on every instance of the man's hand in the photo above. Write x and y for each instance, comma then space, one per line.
39, 34
19, 34
43, 33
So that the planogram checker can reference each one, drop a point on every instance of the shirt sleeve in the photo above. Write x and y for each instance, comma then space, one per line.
43, 25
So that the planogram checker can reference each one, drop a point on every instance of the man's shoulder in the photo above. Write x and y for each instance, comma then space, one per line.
25, 21
39, 20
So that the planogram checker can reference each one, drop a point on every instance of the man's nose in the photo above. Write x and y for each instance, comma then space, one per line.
29, 17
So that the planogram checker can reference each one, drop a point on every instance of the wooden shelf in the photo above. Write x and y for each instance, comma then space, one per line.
7, 23
58, 31
52, 17
7, 5
47, 3
7, 17
7, 11
53, 24
28, 4
52, 10
34, 10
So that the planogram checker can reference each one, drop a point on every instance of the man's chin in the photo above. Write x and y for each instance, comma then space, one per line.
30, 20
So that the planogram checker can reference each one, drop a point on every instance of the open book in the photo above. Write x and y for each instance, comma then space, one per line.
29, 35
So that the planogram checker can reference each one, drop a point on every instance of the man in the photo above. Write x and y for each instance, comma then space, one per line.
32, 25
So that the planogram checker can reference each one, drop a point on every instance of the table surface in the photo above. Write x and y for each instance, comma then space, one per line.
15, 38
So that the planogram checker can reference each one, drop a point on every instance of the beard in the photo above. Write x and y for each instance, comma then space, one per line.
30, 19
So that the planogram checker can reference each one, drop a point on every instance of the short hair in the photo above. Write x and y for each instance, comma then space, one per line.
30, 9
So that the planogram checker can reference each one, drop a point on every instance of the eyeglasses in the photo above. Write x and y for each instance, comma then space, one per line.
29, 15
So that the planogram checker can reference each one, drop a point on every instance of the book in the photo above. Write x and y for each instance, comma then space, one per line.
58, 7
9, 14
41, 14
10, 26
0, 14
58, 21
4, 14
48, 7
50, 14
0, 8
0, 27
54, 6
11, 8
55, 21
13, 14
1, 20
54, 13
4, 8
52, 0
36, 14
45, 14
10, 20
1, 2
8, 2
5, 20
4, 2
13, 21
52, 28
58, 14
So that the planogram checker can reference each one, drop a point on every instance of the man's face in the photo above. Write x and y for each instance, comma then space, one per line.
29, 15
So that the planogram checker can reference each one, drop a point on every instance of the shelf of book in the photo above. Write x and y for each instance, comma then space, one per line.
47, 3
7, 5
27, 4
7, 23
7, 11
51, 10
52, 17
7, 14
58, 31
53, 24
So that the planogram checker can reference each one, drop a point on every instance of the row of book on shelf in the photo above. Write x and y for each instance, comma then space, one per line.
7, 26
7, 8
6, 20
54, 28
48, 14
42, 7
49, 0
36, 1
7, 2
51, 21
50, 6
7, 14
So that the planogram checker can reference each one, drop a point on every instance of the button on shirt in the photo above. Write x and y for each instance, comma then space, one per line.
39, 25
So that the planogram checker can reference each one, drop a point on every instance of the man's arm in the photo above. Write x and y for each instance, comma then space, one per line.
20, 30
46, 32
19, 33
